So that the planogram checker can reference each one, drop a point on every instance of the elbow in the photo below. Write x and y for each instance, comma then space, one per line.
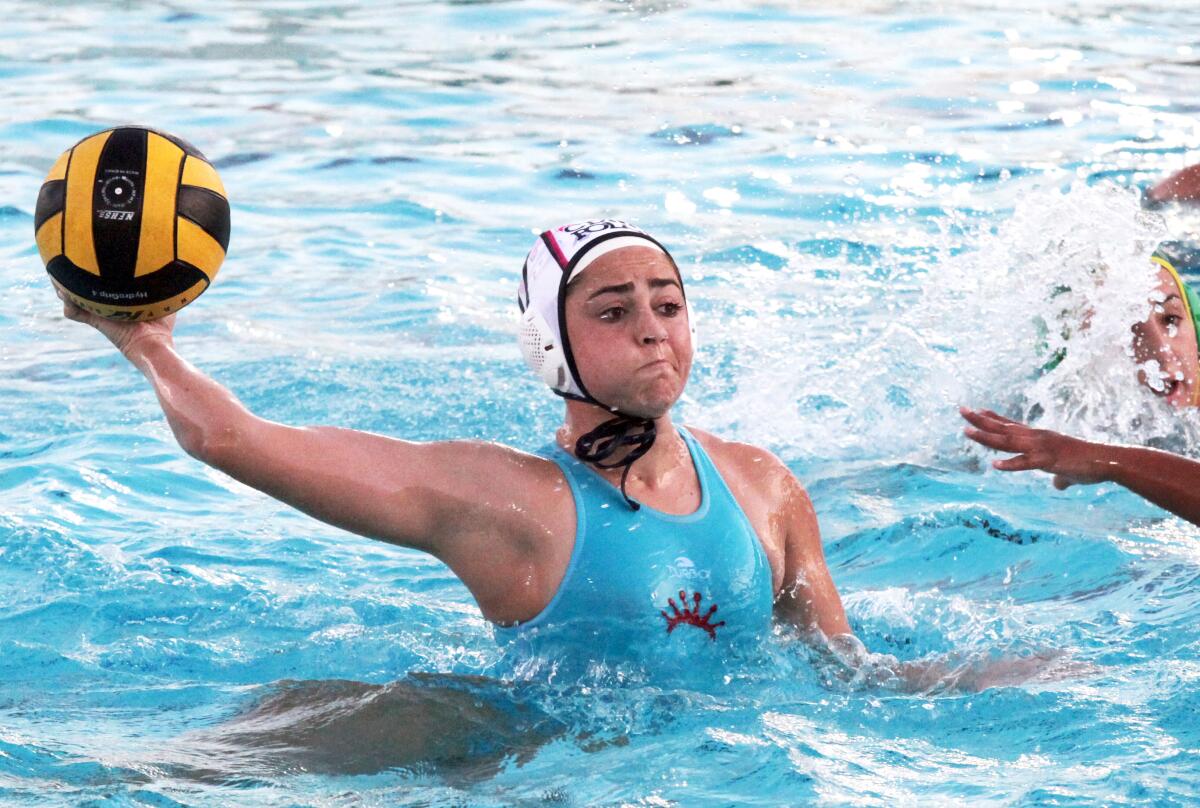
215, 446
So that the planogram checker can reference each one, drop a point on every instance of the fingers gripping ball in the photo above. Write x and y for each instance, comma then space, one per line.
132, 223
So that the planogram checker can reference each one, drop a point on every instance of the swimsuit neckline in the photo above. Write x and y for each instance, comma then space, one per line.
694, 449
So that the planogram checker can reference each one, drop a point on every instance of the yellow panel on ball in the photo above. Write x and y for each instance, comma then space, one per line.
78, 243
199, 249
59, 171
202, 175
156, 245
49, 238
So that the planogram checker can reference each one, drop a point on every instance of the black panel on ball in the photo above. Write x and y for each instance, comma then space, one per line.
51, 200
173, 279
117, 202
207, 209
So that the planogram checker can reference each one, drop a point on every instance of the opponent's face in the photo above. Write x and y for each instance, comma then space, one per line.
628, 328
1167, 336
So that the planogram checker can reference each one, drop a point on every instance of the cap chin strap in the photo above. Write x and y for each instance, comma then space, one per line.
623, 431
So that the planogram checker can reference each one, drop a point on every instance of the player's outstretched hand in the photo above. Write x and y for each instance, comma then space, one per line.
121, 334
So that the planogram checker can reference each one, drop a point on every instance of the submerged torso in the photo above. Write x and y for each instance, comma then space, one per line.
649, 588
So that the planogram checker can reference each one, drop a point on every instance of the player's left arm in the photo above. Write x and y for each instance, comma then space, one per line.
807, 597
809, 600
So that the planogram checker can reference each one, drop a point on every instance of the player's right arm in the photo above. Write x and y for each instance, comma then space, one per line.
486, 510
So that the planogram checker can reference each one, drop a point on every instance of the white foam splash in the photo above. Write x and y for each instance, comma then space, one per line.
852, 366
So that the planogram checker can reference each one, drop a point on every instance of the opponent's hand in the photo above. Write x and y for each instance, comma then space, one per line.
1071, 460
125, 336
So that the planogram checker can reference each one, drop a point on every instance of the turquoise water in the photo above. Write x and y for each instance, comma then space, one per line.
870, 205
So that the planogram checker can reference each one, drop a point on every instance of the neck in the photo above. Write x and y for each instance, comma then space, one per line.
667, 455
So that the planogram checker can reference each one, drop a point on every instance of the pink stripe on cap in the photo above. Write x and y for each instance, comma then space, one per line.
555, 249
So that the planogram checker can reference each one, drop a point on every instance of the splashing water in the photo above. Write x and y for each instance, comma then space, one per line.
1031, 317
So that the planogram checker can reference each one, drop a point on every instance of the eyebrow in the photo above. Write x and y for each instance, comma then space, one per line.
625, 288
1167, 299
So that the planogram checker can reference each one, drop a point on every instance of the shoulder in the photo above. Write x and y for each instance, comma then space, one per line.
747, 464
763, 484
508, 529
769, 494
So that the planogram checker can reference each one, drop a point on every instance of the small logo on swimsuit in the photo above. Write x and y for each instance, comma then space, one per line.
691, 616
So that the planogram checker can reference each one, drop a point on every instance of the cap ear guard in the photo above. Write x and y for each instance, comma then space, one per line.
542, 352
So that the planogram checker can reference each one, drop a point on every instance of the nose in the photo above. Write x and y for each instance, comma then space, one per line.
1151, 342
652, 331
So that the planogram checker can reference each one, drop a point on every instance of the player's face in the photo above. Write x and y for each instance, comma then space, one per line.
628, 328
1164, 345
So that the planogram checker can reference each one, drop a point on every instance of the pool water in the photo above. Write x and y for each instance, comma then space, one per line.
877, 209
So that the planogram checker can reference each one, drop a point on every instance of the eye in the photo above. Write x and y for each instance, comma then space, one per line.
670, 309
612, 313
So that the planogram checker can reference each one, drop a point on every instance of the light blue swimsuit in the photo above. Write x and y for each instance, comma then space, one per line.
646, 586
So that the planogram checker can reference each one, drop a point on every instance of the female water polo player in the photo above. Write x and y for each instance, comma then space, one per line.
1168, 480
1165, 344
624, 538
1171, 333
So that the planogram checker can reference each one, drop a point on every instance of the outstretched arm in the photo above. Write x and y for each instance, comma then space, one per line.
469, 503
1168, 480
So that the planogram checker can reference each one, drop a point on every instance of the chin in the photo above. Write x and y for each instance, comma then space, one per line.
649, 407
652, 399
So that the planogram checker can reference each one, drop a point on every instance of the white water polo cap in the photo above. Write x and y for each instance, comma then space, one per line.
558, 257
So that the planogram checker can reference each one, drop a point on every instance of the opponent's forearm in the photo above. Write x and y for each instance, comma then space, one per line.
200, 411
1168, 480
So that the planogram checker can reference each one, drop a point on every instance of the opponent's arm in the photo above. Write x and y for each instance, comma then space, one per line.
1182, 186
1168, 480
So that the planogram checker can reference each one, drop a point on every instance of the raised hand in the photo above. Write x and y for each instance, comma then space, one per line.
1071, 460
123, 335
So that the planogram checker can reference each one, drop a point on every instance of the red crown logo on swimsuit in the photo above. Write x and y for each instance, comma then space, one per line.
692, 616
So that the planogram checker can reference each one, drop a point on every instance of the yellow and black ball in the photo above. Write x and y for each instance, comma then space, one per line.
132, 223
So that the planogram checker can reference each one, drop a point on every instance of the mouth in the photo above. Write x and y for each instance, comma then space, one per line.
1171, 389
1176, 389
1162, 383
